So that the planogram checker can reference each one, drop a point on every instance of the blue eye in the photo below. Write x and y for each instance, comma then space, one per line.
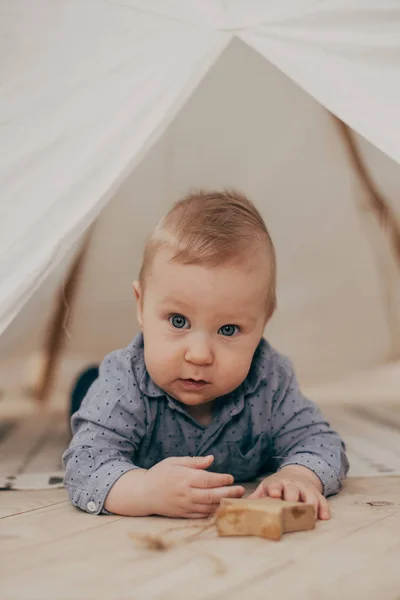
229, 330
178, 321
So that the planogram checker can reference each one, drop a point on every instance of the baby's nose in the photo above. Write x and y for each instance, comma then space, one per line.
199, 351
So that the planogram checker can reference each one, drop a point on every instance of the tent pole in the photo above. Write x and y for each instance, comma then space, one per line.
55, 338
377, 204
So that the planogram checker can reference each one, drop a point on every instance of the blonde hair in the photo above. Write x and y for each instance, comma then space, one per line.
213, 228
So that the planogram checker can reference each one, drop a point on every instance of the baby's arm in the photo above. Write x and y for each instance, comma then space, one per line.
307, 453
108, 429
100, 474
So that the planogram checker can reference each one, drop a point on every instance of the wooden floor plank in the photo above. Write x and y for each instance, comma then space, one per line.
16, 502
52, 523
373, 447
58, 552
359, 564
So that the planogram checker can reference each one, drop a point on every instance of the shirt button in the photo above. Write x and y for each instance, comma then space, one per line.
91, 506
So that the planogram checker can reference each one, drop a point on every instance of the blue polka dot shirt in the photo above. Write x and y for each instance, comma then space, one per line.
126, 421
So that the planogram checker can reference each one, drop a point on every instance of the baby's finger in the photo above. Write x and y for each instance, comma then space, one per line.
204, 509
195, 515
324, 512
274, 489
310, 496
259, 492
291, 492
215, 495
205, 479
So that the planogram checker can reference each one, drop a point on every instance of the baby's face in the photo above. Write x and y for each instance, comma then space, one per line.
201, 326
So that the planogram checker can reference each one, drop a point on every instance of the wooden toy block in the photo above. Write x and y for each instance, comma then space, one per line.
263, 517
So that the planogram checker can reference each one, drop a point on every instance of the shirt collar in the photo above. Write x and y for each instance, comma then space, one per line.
257, 373
145, 382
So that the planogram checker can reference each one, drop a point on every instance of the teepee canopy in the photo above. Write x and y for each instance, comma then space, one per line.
91, 89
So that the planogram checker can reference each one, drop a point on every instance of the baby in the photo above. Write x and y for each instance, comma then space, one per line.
199, 399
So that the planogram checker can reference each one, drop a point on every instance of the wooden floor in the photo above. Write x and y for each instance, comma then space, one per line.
49, 550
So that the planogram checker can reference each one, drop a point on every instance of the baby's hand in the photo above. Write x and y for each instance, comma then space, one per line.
295, 483
180, 487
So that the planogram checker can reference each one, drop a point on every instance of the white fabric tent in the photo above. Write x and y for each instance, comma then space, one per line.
110, 110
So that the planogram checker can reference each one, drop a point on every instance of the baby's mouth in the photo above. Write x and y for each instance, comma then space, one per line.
194, 384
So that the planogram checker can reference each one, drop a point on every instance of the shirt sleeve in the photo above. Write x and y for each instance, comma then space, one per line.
301, 435
107, 431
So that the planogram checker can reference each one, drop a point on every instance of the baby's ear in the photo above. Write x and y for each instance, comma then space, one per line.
138, 295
